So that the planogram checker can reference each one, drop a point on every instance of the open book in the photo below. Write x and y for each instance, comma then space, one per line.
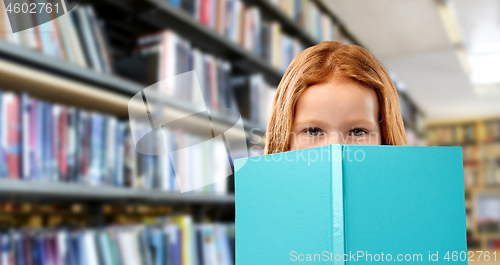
352, 204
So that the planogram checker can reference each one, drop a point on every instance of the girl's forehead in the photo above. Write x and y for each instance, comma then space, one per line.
336, 102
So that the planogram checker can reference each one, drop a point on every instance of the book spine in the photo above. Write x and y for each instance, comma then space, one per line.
47, 142
96, 149
86, 32
3, 137
25, 130
63, 124
337, 196
13, 135
56, 141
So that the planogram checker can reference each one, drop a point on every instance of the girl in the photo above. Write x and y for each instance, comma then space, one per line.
334, 93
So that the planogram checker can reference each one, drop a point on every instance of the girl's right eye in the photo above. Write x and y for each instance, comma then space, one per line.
313, 131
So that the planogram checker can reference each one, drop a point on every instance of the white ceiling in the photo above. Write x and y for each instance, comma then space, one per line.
409, 38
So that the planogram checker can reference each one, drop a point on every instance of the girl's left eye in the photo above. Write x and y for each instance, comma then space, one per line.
357, 132
313, 131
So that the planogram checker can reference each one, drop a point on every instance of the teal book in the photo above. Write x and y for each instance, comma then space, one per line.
351, 204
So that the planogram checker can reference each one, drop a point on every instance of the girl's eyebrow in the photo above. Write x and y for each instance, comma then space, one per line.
323, 123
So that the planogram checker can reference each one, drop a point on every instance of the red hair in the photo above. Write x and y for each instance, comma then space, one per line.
319, 64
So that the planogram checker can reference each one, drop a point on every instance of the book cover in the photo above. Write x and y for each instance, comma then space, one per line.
339, 201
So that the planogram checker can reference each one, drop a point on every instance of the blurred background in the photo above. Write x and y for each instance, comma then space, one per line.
73, 189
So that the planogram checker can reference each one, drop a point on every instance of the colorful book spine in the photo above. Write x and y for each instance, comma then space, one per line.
3, 137
13, 134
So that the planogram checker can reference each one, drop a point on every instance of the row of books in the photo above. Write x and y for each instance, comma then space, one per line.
310, 18
165, 56
244, 25
255, 98
452, 135
490, 131
51, 142
80, 37
471, 153
471, 175
176, 240
491, 151
280, 48
77, 36
492, 172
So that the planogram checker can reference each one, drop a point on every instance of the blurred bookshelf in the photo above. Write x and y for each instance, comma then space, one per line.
92, 61
41, 191
480, 141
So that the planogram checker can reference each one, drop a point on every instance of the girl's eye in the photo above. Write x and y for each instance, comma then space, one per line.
313, 131
357, 132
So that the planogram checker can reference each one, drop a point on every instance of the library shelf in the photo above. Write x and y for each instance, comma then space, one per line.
487, 189
288, 25
335, 19
489, 235
162, 14
73, 85
50, 65
39, 190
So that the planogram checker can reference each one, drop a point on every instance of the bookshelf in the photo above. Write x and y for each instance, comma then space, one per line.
50, 191
78, 86
59, 81
273, 11
75, 85
479, 140
45, 77
161, 14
